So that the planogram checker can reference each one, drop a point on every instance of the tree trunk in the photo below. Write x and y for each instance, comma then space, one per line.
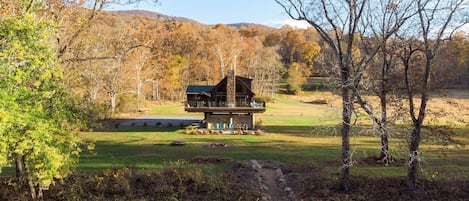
384, 156
19, 165
346, 118
153, 90
412, 174
36, 192
112, 99
139, 88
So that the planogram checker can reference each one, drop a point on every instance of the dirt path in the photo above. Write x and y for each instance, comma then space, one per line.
269, 179
272, 182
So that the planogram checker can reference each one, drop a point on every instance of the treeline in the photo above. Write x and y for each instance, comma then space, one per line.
137, 58
126, 58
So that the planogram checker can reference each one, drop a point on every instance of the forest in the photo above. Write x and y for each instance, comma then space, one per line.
116, 58
68, 65
130, 56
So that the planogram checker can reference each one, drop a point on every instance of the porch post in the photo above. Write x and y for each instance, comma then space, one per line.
253, 120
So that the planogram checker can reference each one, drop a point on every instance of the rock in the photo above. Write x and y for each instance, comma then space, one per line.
215, 145
178, 142
256, 164
283, 185
264, 187
279, 172
292, 196
266, 197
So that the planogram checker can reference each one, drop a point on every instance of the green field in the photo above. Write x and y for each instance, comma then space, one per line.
297, 133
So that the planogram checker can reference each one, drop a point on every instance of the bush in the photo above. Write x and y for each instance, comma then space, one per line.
260, 122
127, 103
187, 131
190, 130
293, 89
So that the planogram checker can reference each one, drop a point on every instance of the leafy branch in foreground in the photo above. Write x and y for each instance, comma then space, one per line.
37, 118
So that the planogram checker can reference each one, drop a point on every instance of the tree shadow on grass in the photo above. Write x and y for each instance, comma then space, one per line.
147, 154
304, 131
155, 124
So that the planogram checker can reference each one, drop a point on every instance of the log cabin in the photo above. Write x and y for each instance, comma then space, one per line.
226, 106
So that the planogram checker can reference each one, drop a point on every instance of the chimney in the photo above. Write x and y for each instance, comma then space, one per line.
231, 89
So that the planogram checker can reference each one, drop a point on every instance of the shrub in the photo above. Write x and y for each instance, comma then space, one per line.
190, 130
187, 131
260, 121
260, 132
293, 89
250, 132
127, 102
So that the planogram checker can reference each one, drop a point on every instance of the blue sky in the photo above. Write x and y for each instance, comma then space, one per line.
265, 12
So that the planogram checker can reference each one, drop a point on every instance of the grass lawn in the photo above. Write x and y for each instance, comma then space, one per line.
298, 133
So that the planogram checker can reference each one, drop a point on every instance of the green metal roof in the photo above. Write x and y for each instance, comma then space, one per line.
192, 89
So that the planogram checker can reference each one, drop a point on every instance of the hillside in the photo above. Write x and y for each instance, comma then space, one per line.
163, 17
158, 16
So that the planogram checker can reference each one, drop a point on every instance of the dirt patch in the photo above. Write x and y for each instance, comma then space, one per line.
210, 160
215, 146
320, 186
241, 181
375, 161
268, 177
272, 185
309, 183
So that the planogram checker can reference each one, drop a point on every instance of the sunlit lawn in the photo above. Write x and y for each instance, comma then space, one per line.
297, 133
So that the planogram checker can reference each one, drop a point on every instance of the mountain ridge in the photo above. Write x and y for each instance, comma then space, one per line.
160, 16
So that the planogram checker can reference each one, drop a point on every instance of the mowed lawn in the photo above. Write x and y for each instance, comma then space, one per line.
297, 132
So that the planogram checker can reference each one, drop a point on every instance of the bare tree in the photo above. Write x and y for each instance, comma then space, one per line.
336, 22
383, 19
355, 35
434, 22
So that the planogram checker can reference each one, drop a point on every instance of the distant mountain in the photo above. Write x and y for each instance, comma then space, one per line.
159, 16
244, 24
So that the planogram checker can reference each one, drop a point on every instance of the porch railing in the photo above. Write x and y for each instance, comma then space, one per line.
205, 104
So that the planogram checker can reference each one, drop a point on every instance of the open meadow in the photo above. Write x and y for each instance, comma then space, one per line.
296, 132
138, 162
